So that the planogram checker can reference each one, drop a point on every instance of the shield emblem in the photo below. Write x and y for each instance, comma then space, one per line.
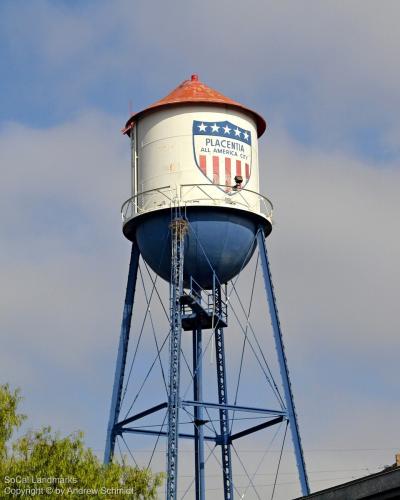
222, 151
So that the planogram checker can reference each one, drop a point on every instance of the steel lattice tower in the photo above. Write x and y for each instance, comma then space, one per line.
212, 229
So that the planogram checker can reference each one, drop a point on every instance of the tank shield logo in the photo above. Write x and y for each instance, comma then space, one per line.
222, 152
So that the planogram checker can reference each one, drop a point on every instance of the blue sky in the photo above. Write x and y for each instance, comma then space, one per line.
325, 75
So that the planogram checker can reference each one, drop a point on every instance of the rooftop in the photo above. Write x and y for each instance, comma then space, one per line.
194, 91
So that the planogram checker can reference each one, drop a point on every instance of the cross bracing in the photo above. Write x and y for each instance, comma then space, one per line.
223, 423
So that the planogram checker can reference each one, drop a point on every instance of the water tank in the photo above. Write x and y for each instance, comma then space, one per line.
196, 150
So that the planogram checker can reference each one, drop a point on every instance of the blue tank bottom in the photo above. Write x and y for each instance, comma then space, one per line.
219, 239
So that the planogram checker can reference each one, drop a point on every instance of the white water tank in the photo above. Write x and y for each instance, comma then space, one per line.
197, 149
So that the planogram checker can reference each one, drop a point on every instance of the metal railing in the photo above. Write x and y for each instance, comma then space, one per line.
186, 195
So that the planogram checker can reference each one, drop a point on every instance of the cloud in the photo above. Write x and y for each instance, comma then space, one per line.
335, 217
60, 197
333, 252
328, 72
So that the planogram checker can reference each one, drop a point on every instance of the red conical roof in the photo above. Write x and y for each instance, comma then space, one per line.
194, 91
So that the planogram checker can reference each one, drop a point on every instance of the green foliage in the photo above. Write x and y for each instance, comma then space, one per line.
10, 420
43, 464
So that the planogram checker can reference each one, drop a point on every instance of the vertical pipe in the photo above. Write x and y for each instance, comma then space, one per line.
223, 399
198, 414
121, 357
134, 135
133, 162
276, 327
178, 231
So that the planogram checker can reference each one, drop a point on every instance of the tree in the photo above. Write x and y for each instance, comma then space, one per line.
9, 418
43, 464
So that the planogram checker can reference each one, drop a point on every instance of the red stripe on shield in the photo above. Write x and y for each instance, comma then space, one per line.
228, 174
247, 171
203, 164
215, 169
238, 168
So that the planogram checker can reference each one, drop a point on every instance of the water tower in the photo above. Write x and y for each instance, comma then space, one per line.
195, 186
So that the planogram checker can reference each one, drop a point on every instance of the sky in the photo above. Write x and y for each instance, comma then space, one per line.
326, 77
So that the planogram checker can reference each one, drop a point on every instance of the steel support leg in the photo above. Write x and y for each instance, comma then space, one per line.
178, 230
283, 363
223, 399
198, 414
121, 357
